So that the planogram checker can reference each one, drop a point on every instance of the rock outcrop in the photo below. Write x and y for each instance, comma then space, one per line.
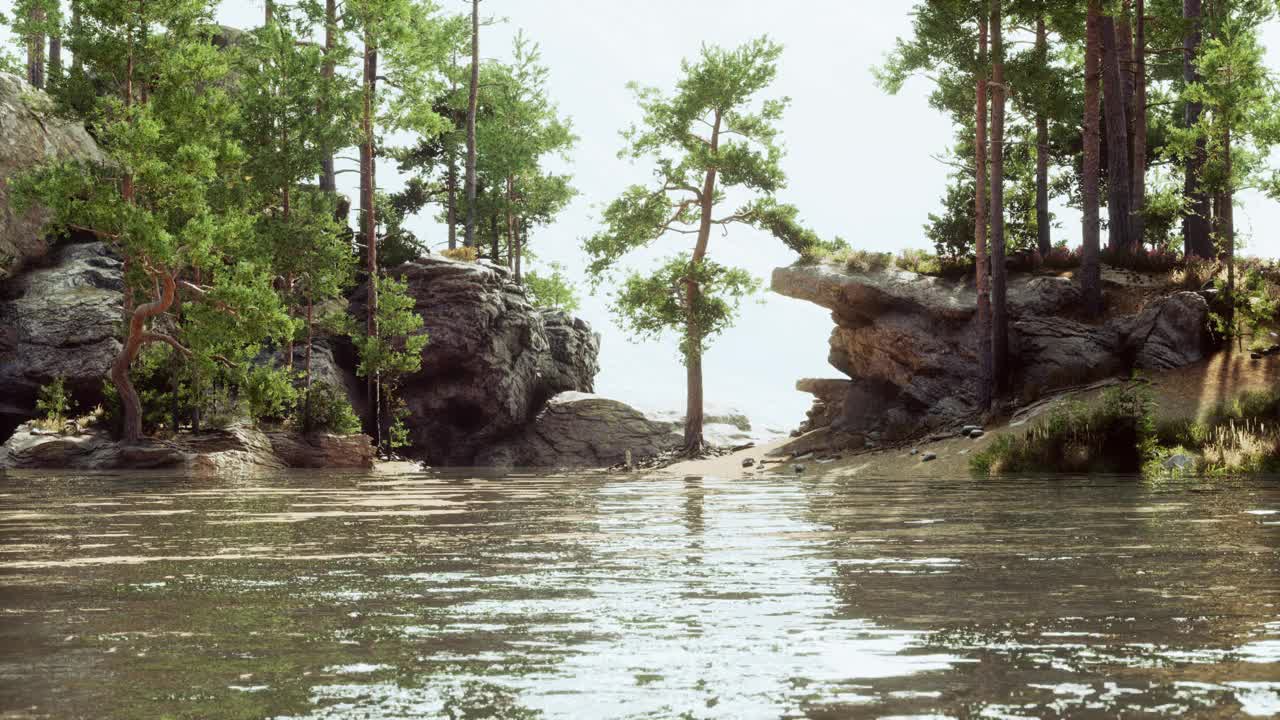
491, 364
906, 344
235, 450
580, 430
29, 137
60, 320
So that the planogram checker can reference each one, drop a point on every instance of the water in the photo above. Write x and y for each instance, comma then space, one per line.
339, 596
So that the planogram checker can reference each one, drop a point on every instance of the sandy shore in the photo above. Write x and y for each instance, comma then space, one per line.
1188, 392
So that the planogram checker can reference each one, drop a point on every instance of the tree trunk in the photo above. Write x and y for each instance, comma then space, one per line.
451, 200
511, 225
328, 173
1091, 270
518, 251
269, 12
306, 364
55, 57
1227, 227
76, 26
135, 337
983, 270
1119, 182
35, 51
368, 213
469, 237
1138, 202
999, 280
693, 419
1195, 224
1043, 242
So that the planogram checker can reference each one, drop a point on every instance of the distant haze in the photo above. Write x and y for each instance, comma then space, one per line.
859, 163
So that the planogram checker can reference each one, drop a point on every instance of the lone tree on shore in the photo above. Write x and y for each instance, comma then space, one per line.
710, 136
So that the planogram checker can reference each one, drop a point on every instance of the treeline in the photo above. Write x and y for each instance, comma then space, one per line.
1161, 111
219, 185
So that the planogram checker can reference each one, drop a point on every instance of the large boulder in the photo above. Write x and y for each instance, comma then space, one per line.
235, 450
905, 343
59, 321
579, 430
491, 363
30, 136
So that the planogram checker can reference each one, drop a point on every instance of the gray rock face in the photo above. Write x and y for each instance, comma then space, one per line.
235, 450
491, 362
906, 342
572, 360
59, 321
30, 137
579, 430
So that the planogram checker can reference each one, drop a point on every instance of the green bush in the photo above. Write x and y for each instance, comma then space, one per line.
1119, 435
329, 411
54, 404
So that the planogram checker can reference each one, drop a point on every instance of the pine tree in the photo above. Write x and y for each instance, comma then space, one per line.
1091, 269
708, 137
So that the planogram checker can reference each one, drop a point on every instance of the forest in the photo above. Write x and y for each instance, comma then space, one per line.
222, 147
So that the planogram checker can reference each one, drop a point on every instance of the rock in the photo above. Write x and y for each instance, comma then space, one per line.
490, 365
798, 469
968, 430
572, 363
221, 452
914, 452
1179, 462
1256, 356
748, 462
976, 434
929, 457
59, 321
579, 430
905, 341
821, 440
29, 137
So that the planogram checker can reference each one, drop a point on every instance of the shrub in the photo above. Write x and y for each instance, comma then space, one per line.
329, 411
1062, 258
865, 261
919, 261
1118, 435
463, 254
55, 404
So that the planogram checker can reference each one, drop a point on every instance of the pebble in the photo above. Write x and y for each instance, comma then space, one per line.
914, 451
749, 462
798, 468
976, 434
929, 457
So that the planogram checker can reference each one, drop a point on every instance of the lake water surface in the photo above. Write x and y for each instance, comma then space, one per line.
464, 596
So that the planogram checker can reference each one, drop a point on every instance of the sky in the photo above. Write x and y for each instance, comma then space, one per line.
860, 165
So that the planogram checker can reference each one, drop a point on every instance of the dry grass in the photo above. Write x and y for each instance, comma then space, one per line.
462, 254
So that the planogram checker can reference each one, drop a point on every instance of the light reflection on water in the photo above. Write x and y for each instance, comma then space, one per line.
334, 596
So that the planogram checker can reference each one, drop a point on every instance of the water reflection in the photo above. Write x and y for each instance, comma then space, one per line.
312, 596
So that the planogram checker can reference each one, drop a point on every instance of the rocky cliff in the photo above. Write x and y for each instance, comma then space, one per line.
905, 344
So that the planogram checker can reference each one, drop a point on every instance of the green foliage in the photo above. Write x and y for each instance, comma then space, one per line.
327, 410
54, 404
1117, 435
269, 393
552, 290
396, 349
648, 304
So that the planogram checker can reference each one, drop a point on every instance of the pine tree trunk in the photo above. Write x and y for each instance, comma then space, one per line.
983, 270
1043, 241
368, 213
1091, 270
76, 27
1227, 227
35, 51
519, 252
451, 200
693, 420
999, 278
1138, 202
469, 236
1119, 182
511, 225
328, 172
135, 338
1195, 224
306, 364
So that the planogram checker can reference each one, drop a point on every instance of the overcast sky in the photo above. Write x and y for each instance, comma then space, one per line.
859, 164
